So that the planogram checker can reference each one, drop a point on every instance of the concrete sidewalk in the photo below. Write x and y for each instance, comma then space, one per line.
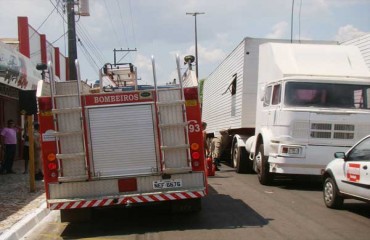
21, 209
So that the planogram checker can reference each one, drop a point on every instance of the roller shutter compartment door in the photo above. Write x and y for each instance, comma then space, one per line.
122, 140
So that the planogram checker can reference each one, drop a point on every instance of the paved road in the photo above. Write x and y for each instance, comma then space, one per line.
16, 200
238, 207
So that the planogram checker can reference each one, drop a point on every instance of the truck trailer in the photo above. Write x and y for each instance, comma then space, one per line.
123, 147
280, 108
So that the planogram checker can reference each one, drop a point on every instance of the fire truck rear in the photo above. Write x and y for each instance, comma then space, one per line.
124, 147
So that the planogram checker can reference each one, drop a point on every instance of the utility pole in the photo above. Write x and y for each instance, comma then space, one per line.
196, 42
72, 48
291, 23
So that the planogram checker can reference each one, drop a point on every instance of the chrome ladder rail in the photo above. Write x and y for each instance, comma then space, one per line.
173, 131
68, 125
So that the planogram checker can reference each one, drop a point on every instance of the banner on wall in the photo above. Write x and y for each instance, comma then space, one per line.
16, 70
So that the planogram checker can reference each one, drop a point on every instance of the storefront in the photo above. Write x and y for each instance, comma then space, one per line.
17, 74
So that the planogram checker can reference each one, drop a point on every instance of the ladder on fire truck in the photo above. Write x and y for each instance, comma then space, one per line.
173, 131
68, 125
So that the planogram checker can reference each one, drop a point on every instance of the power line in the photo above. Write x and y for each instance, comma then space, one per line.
111, 22
64, 21
132, 23
89, 57
43, 21
84, 50
59, 38
55, 8
89, 49
83, 34
123, 24
38, 51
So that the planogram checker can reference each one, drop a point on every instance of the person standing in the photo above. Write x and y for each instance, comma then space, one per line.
205, 143
9, 145
37, 152
26, 149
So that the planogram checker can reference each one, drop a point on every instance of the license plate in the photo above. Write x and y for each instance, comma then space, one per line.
167, 183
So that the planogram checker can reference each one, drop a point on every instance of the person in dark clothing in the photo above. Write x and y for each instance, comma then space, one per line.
9, 146
37, 152
26, 149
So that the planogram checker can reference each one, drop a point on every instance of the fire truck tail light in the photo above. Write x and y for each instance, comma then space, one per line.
45, 104
52, 166
196, 163
51, 157
194, 146
191, 93
195, 155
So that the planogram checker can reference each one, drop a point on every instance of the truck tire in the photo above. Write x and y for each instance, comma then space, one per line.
241, 161
263, 167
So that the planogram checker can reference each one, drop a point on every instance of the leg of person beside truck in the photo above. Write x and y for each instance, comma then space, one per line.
215, 152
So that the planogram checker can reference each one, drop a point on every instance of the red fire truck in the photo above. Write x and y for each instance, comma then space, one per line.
127, 145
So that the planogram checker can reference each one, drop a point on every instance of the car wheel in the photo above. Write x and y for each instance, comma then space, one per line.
263, 167
332, 198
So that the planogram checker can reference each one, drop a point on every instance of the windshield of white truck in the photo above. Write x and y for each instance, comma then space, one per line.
327, 95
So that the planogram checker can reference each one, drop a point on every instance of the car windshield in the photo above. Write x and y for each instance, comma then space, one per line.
328, 95
361, 151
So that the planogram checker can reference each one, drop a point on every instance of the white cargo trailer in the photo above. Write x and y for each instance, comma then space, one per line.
249, 98
363, 43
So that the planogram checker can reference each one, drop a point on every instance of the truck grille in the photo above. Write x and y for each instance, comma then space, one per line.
332, 131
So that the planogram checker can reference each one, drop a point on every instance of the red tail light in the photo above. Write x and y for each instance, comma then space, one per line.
52, 166
195, 155
191, 93
45, 104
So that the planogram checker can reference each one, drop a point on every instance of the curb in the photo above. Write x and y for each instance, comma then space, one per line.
21, 228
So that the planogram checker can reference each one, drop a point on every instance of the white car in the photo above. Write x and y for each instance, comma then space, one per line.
348, 175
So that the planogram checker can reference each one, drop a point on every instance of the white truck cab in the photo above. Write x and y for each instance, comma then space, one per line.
312, 101
282, 108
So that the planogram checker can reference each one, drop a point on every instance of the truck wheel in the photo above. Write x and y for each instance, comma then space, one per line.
263, 167
235, 156
241, 161
331, 196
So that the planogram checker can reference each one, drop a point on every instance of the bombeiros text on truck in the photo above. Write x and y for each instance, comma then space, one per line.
121, 143
281, 108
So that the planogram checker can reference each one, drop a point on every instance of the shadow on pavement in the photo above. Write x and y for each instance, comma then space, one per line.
304, 183
357, 207
218, 212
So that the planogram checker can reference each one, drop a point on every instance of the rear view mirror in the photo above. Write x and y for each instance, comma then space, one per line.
339, 155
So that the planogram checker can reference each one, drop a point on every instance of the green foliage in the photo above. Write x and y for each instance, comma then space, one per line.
201, 83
